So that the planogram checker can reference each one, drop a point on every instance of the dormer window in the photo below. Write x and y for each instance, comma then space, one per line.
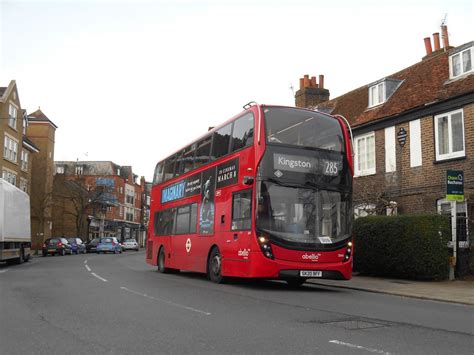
382, 90
377, 94
460, 63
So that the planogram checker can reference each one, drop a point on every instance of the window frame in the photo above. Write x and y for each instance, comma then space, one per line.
380, 100
10, 149
12, 119
460, 54
25, 157
366, 171
450, 154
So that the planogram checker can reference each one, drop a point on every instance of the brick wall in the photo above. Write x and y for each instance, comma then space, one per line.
417, 189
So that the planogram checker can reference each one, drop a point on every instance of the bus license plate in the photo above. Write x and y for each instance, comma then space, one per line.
311, 273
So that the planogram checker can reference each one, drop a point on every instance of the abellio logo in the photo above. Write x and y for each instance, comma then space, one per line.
312, 257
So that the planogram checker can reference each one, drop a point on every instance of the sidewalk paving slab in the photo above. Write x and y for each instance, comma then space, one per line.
457, 291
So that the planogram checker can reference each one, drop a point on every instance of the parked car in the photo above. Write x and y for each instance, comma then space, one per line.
59, 246
91, 247
131, 244
77, 245
109, 245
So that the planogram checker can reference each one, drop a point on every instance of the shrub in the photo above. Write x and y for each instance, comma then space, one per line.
410, 247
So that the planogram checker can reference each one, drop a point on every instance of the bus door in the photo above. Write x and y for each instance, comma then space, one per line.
238, 235
183, 238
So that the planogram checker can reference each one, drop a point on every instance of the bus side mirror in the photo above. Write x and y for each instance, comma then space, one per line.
248, 180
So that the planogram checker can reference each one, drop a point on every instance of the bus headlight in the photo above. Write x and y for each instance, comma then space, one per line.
265, 246
347, 256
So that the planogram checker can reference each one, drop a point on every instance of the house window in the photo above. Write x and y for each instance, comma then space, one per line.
10, 149
449, 135
79, 170
461, 63
9, 176
377, 94
25, 123
24, 160
365, 154
12, 115
24, 184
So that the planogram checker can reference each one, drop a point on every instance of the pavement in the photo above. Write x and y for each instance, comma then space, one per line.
457, 291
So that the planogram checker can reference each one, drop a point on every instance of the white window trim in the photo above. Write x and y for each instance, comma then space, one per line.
11, 104
6, 172
390, 150
384, 95
24, 162
10, 150
451, 67
451, 154
364, 172
416, 154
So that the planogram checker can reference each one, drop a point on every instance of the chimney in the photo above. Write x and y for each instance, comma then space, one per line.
306, 82
321, 81
436, 41
445, 36
428, 46
311, 93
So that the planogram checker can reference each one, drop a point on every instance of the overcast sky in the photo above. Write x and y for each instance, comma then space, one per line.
133, 81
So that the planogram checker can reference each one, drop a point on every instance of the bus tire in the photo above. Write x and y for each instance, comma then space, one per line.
214, 266
161, 261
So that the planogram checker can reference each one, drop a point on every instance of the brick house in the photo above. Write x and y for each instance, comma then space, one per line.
18, 150
410, 128
41, 131
100, 189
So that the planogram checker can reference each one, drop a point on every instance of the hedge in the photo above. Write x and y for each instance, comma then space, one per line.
409, 247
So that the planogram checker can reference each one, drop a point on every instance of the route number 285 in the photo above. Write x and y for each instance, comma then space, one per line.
331, 168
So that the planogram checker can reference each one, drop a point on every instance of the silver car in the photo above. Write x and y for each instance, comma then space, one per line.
131, 244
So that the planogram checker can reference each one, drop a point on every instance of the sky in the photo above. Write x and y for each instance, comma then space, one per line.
134, 81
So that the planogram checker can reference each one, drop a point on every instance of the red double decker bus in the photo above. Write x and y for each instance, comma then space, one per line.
268, 194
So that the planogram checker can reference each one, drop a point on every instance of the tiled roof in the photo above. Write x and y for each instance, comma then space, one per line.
39, 116
424, 83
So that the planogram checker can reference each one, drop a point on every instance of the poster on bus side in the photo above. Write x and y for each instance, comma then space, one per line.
206, 214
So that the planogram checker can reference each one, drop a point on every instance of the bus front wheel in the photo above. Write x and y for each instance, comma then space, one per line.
214, 267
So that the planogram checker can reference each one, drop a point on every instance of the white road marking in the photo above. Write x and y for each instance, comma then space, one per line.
354, 346
99, 277
2, 271
85, 261
165, 301
88, 268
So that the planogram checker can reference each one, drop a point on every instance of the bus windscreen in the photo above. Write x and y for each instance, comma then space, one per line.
303, 128
304, 217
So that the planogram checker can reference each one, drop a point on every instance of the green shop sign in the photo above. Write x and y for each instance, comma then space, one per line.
455, 185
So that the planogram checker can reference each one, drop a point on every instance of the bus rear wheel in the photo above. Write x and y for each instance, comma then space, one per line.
161, 263
214, 267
